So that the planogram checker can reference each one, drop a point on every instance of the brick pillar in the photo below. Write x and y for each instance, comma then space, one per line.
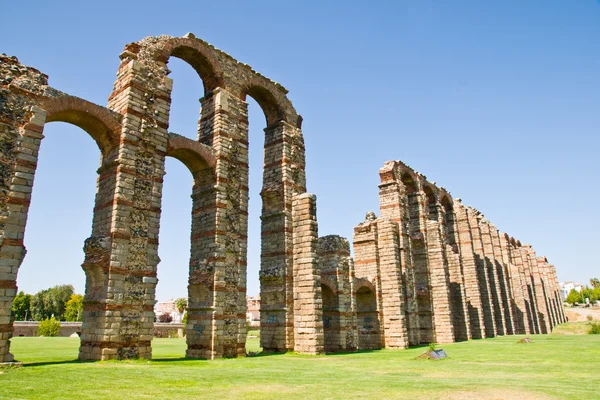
18, 158
528, 289
126, 315
283, 177
492, 275
439, 275
473, 300
507, 287
217, 283
308, 312
542, 310
557, 295
367, 268
482, 274
543, 268
393, 203
392, 291
338, 319
418, 236
458, 295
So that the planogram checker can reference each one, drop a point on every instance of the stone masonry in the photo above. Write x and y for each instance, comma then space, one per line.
121, 256
429, 269
453, 275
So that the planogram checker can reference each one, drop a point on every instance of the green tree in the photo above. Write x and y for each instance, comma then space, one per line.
49, 327
181, 304
574, 297
74, 308
51, 302
22, 306
595, 282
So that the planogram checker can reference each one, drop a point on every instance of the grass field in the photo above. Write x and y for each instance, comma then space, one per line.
552, 366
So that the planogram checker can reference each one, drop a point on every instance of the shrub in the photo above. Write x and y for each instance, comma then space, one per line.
184, 319
590, 318
432, 346
166, 317
49, 327
595, 328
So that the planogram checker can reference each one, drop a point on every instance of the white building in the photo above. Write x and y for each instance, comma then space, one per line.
170, 308
566, 287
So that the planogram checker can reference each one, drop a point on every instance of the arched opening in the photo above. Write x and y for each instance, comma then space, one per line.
369, 331
62, 202
331, 319
432, 204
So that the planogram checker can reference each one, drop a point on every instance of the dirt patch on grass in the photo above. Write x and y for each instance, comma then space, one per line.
496, 394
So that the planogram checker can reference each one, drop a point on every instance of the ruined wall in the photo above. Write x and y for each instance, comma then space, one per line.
454, 276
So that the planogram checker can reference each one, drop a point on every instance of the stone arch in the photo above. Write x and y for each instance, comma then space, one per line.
197, 53
101, 124
409, 180
368, 319
194, 155
268, 103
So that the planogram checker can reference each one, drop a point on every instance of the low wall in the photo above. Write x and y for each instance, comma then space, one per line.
29, 328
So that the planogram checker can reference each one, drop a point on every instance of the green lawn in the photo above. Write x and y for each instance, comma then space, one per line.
554, 366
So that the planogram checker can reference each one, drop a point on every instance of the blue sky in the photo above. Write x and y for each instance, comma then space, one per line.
497, 101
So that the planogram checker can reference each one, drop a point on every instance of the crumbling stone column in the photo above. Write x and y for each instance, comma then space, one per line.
438, 274
308, 313
502, 265
393, 203
458, 295
482, 274
284, 177
392, 291
18, 161
492, 274
474, 297
217, 283
542, 311
339, 319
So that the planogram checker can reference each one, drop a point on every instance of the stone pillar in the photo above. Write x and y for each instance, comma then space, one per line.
126, 316
542, 311
392, 291
482, 274
439, 275
367, 268
513, 304
284, 177
339, 321
308, 313
418, 236
458, 295
528, 289
393, 203
473, 300
217, 283
492, 275
18, 159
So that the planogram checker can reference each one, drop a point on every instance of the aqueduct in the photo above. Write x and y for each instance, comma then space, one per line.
428, 270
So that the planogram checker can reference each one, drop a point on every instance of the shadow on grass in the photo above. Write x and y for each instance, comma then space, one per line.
44, 363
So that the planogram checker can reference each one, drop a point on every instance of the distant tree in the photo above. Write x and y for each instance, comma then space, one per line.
165, 317
22, 306
595, 282
181, 304
51, 302
574, 297
74, 308
184, 319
